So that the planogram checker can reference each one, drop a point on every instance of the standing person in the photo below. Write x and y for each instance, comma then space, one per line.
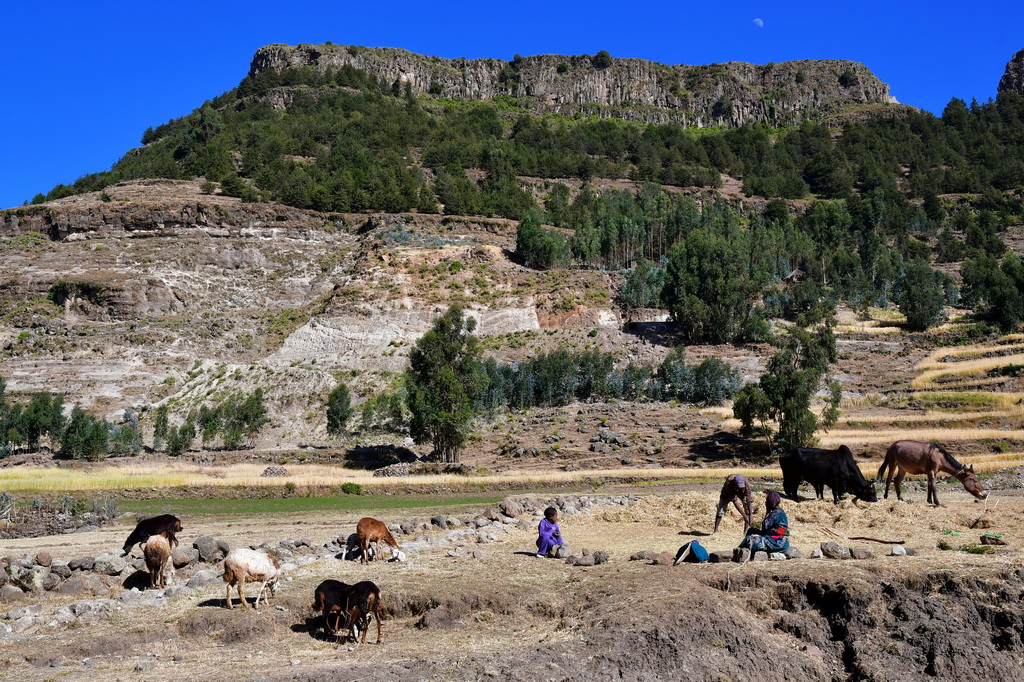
550, 535
734, 490
773, 535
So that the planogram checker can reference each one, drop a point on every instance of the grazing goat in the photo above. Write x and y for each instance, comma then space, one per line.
364, 603
371, 530
356, 603
157, 551
244, 565
165, 523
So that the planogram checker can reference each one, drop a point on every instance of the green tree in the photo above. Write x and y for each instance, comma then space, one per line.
339, 409
642, 288
920, 296
536, 247
786, 390
160, 426
442, 381
601, 60
85, 436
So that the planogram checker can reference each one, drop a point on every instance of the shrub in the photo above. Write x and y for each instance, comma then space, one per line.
601, 60
351, 488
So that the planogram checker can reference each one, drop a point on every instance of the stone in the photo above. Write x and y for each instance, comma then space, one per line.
587, 560
109, 564
719, 557
210, 549
664, 559
61, 569
43, 559
439, 521
29, 579
760, 556
741, 554
833, 550
455, 552
50, 581
600, 557
510, 507
793, 553
205, 577
777, 556
860, 553
563, 550
990, 540
480, 522
644, 555
816, 554
84, 563
73, 587
183, 556
897, 550
524, 524
452, 522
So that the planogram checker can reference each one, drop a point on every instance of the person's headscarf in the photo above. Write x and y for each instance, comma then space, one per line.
772, 500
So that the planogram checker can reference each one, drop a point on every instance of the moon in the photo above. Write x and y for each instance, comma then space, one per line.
758, 23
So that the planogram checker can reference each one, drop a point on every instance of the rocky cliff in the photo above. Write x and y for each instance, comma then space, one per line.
730, 94
1013, 77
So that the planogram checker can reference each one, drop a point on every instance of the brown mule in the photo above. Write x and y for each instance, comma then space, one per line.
917, 457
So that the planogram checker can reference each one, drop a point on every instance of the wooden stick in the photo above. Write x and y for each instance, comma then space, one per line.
881, 542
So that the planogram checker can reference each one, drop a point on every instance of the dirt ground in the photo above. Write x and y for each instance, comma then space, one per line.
509, 615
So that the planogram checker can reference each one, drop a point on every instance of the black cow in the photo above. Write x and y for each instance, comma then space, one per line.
165, 523
834, 468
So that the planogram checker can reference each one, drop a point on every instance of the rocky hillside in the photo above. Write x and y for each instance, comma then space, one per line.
730, 94
154, 291
1013, 77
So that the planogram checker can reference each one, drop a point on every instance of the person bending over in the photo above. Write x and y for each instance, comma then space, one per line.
734, 490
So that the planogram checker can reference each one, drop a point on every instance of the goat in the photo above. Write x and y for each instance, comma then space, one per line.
357, 603
165, 523
371, 530
157, 551
364, 604
244, 565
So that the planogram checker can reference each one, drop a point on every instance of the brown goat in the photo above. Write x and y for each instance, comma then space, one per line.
157, 551
364, 602
371, 530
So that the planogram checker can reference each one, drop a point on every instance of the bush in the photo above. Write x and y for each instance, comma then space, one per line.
351, 488
601, 60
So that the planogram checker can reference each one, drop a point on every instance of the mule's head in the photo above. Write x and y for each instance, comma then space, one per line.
971, 483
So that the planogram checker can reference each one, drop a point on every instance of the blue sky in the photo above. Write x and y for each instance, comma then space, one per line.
82, 81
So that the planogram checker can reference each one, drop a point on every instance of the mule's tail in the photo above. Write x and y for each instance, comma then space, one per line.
885, 463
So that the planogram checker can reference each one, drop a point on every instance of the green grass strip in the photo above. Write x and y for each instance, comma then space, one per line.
361, 503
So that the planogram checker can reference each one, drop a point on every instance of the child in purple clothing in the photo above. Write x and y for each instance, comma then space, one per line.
550, 534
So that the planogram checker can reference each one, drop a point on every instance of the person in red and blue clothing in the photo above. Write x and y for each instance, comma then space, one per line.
550, 535
773, 535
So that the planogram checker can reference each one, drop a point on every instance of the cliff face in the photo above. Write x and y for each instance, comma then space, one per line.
730, 94
1013, 77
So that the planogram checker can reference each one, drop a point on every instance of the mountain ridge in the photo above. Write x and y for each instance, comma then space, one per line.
730, 94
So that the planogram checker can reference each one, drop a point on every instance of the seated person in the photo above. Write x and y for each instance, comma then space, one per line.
550, 536
773, 534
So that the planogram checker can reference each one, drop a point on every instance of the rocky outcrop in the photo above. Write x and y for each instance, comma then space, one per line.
731, 94
1013, 77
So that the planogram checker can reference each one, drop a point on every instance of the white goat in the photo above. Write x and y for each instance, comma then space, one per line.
157, 551
244, 565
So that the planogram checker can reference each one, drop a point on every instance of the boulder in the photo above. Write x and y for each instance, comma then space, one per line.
439, 521
109, 564
183, 556
51, 580
205, 577
84, 563
510, 507
777, 556
524, 524
645, 555
600, 557
61, 569
793, 553
664, 559
860, 553
587, 560
563, 550
43, 559
897, 550
760, 556
741, 554
833, 550
29, 579
816, 553
452, 522
720, 557
210, 549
